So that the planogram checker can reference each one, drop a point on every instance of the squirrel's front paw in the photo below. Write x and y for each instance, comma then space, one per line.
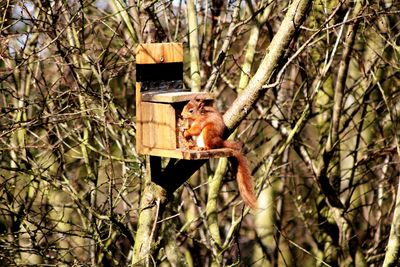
186, 134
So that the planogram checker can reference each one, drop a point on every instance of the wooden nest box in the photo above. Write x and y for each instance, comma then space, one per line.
160, 98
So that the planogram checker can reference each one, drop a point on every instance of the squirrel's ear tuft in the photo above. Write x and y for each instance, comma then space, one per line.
201, 104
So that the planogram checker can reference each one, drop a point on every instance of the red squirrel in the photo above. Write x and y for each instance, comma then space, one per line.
206, 128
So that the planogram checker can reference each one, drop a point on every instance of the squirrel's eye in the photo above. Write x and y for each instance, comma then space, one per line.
191, 110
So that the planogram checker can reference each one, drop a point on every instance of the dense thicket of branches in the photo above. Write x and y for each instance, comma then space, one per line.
322, 138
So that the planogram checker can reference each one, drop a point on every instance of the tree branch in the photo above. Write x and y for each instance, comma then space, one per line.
177, 172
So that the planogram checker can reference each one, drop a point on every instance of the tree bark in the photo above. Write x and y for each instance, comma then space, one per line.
194, 47
393, 246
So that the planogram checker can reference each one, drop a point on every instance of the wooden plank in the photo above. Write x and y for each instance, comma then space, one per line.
173, 97
158, 125
153, 53
189, 154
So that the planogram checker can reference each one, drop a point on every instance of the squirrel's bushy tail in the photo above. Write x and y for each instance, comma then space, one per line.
244, 180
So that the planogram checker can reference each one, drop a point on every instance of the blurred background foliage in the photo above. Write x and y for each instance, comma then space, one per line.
322, 141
